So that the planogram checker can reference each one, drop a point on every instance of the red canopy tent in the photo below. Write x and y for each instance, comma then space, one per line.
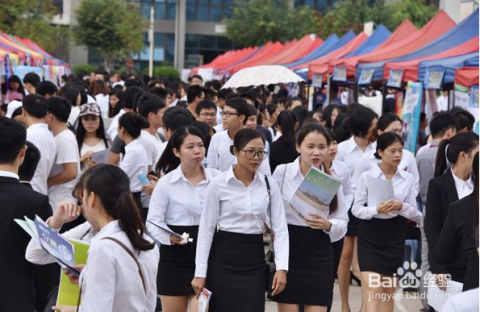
404, 30
320, 66
411, 67
467, 76
295, 51
228, 58
267, 52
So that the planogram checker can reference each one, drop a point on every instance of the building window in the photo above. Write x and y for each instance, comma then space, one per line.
164, 9
202, 49
209, 10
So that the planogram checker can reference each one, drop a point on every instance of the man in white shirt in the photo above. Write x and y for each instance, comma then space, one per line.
128, 106
442, 102
34, 116
66, 169
222, 100
235, 116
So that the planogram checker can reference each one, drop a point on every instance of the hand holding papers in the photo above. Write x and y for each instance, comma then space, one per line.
185, 237
204, 299
314, 194
381, 197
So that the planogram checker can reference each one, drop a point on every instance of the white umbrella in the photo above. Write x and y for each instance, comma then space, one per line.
262, 76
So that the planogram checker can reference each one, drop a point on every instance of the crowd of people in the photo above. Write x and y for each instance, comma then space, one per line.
176, 186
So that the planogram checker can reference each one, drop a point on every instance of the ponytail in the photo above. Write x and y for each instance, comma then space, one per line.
126, 211
450, 149
112, 187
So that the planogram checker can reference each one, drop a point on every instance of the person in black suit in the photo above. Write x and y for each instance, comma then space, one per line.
283, 151
17, 286
459, 231
452, 182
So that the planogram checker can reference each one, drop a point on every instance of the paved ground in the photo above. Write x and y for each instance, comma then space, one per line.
412, 305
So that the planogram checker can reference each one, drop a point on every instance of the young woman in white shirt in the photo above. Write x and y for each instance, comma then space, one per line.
230, 259
310, 275
135, 161
171, 209
91, 136
122, 261
382, 233
388, 122
361, 123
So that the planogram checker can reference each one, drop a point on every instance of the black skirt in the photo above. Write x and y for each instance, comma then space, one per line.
177, 265
236, 273
381, 245
353, 224
310, 273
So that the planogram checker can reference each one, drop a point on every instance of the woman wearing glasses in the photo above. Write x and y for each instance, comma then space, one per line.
310, 275
230, 262
388, 122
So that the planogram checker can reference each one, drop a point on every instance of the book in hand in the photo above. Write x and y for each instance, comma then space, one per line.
204, 299
314, 194
54, 244
185, 236
382, 192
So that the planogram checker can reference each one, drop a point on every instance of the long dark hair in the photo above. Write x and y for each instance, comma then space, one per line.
113, 111
133, 124
16, 79
383, 122
450, 149
81, 133
169, 161
287, 120
315, 127
112, 187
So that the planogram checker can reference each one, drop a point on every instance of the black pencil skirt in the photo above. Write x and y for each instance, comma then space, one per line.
177, 265
381, 245
236, 273
310, 274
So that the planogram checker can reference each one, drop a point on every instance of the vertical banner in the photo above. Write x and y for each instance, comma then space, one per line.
411, 115
461, 96
473, 106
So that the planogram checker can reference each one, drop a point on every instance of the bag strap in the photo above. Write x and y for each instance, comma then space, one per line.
131, 255
269, 210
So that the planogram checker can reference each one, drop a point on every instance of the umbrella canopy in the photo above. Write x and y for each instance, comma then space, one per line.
262, 75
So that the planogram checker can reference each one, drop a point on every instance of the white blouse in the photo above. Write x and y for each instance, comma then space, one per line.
175, 201
464, 188
350, 153
340, 170
403, 188
111, 281
134, 162
288, 186
233, 207
408, 164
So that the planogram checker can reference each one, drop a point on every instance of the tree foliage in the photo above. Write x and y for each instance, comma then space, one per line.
115, 27
31, 19
256, 22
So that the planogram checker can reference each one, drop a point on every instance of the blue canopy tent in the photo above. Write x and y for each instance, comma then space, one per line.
380, 34
449, 64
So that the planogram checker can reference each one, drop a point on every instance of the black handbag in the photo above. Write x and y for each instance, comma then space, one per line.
270, 255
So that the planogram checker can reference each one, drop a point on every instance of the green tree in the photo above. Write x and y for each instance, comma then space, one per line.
115, 27
415, 10
31, 19
258, 21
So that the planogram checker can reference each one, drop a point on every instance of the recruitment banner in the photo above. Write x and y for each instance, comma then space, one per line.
411, 115
473, 106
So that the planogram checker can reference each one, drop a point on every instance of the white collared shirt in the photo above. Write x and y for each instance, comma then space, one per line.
151, 145
8, 174
403, 189
350, 153
67, 153
219, 156
464, 188
408, 164
113, 129
169, 204
231, 206
340, 170
43, 139
36, 254
288, 178
134, 162
111, 281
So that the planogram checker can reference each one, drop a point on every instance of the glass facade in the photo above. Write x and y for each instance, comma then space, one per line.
208, 10
202, 49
